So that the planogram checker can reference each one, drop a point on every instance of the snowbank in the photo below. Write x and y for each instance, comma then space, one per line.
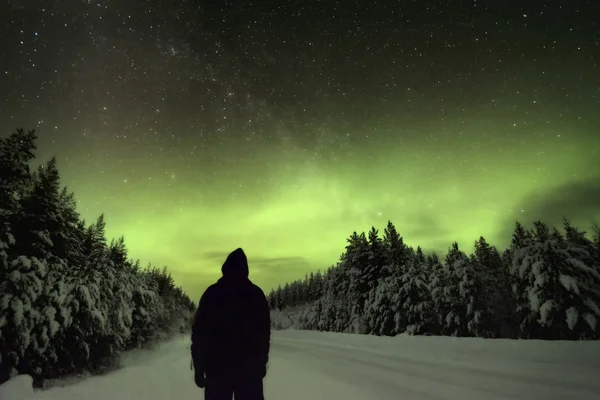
17, 388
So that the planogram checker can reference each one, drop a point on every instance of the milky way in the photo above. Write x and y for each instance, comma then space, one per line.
282, 126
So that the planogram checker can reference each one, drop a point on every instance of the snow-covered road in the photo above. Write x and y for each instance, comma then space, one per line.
427, 368
312, 365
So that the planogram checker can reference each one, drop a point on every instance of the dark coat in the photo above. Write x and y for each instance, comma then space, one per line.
232, 330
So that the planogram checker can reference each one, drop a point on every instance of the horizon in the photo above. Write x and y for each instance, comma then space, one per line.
213, 259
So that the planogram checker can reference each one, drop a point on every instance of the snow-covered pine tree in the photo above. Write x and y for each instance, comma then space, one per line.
395, 251
146, 308
19, 315
415, 296
583, 317
433, 260
319, 284
16, 151
383, 307
470, 306
517, 256
318, 324
294, 298
286, 296
50, 352
119, 289
557, 299
313, 290
596, 250
352, 280
272, 300
337, 302
279, 298
37, 226
439, 288
88, 286
373, 276
498, 298
450, 302
40, 222
475, 311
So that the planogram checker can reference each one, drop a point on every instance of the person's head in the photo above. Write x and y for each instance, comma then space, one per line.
236, 265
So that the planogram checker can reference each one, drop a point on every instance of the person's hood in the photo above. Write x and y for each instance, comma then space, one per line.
236, 265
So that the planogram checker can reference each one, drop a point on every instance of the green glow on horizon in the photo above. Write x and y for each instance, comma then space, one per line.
296, 219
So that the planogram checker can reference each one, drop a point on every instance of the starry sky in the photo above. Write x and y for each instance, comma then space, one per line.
282, 126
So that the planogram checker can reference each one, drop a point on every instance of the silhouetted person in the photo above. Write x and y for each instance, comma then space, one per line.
231, 335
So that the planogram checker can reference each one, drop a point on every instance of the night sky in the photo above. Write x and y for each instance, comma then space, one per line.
283, 126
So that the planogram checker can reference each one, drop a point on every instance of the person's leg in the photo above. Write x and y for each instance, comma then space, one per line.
218, 390
249, 390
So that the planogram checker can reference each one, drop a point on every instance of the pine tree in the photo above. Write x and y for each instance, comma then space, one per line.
19, 317
415, 295
356, 272
272, 300
557, 300
498, 300
16, 152
373, 274
395, 254
279, 298
382, 308
338, 300
516, 255
583, 315
596, 249
447, 297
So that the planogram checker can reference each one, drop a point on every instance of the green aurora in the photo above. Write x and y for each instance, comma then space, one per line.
293, 217
199, 127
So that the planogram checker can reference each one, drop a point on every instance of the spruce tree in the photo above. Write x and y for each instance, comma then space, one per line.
557, 295
356, 272
395, 254
498, 300
415, 296
16, 151
450, 306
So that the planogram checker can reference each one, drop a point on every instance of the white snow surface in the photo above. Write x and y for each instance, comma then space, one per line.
314, 365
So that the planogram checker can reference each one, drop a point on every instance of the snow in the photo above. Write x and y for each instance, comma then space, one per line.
314, 365
546, 312
591, 320
54, 326
17, 307
18, 388
572, 317
24, 261
569, 283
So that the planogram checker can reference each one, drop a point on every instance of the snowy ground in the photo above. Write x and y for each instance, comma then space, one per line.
312, 365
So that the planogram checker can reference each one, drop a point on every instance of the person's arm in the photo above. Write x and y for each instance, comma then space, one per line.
199, 334
265, 328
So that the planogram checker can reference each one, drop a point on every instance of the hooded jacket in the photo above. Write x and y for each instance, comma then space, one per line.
232, 329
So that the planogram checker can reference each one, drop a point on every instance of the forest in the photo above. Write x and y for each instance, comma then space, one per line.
546, 285
70, 302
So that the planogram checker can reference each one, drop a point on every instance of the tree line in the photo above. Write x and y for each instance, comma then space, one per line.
70, 302
546, 285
